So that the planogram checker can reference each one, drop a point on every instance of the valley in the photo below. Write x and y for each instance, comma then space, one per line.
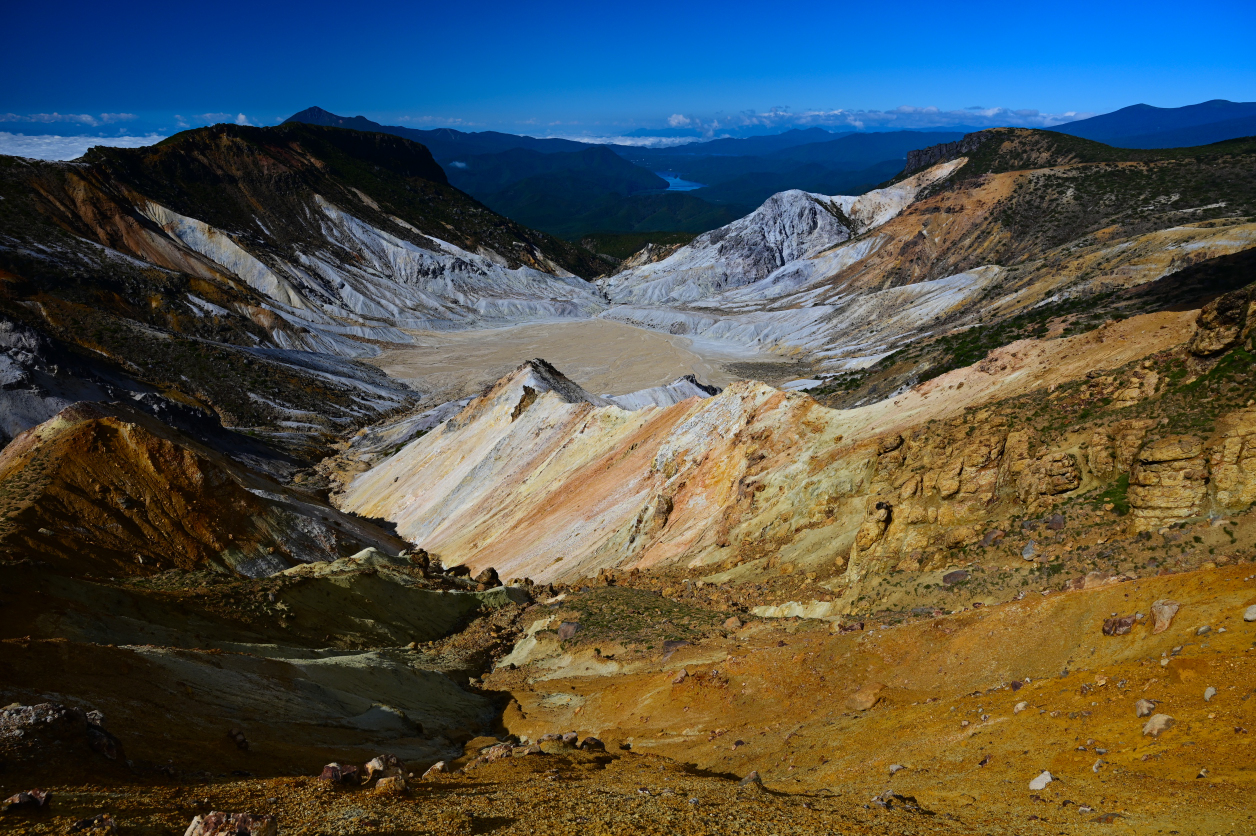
333, 495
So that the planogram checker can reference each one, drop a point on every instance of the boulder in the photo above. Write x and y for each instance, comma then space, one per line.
35, 729
1119, 625
233, 824
592, 744
1157, 724
394, 785
1162, 613
29, 800
488, 578
382, 766
340, 773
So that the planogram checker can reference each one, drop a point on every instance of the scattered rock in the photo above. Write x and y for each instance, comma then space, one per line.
866, 697
896, 767
751, 779
952, 578
1203, 631
985, 761
339, 773
488, 578
592, 744
1250, 614
1209, 693
568, 630
1107, 818
1055, 522
232, 824
1119, 625
1020, 706
1157, 724
1203, 773
438, 768
680, 677
1162, 613
733, 623
570, 738
1144, 708
1040, 783
1028, 551
1097, 766
29, 800
101, 824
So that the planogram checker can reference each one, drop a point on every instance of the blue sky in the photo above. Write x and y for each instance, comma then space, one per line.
557, 68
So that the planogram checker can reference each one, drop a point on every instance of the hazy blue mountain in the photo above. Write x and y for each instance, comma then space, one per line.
1194, 135
1141, 122
444, 143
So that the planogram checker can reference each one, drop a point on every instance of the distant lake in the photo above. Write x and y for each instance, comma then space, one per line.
675, 184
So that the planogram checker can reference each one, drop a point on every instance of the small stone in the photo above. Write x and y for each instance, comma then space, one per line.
1040, 783
438, 768
1203, 631
1250, 614
592, 744
570, 738
1209, 693
1144, 708
733, 623
101, 824
1055, 522
1162, 613
233, 824
567, 630
1203, 773
1028, 551
866, 697
1157, 724
1098, 765
896, 767
1020, 706
751, 779
680, 677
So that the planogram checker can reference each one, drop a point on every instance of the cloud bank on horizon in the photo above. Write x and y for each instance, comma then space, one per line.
58, 136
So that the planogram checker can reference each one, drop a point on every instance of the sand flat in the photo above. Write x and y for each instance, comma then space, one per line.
603, 356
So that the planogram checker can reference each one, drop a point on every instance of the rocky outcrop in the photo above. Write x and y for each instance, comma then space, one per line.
1170, 481
1224, 322
46, 731
934, 154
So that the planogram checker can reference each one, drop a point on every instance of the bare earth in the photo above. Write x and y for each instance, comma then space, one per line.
607, 358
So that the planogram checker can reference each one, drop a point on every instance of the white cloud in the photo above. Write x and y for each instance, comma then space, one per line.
905, 117
457, 164
241, 119
72, 118
52, 147
637, 141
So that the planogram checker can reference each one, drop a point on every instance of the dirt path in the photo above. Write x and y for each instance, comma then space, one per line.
607, 358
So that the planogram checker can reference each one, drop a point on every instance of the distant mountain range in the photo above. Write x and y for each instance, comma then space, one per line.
1144, 126
572, 189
